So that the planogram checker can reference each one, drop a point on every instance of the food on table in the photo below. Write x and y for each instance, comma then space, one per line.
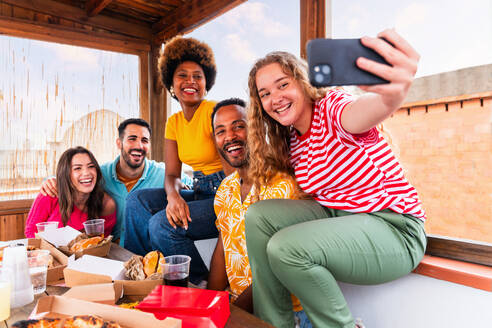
85, 243
40, 323
151, 263
80, 321
147, 267
131, 305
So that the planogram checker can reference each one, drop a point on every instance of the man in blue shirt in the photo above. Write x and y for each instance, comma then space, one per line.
130, 171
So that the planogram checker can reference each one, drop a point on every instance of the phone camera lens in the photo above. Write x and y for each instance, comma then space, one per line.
325, 69
316, 68
318, 77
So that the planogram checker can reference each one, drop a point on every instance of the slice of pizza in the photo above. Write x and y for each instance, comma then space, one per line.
84, 321
40, 323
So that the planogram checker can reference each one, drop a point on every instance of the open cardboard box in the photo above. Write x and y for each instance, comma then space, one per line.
132, 290
101, 250
98, 293
63, 307
60, 260
60, 238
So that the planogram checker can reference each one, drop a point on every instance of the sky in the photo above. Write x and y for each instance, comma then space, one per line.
43, 83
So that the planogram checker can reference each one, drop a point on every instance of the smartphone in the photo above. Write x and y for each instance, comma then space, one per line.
332, 63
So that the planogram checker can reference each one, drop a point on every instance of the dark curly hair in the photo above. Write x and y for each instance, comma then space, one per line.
179, 50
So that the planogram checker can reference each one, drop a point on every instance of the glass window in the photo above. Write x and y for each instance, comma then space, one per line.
443, 134
53, 97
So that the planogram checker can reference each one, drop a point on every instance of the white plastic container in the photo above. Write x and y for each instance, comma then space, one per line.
15, 258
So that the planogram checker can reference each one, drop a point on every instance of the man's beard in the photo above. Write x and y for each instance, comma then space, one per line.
235, 165
127, 158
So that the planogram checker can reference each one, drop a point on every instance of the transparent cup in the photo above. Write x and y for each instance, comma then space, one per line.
176, 269
94, 227
6, 279
38, 261
44, 226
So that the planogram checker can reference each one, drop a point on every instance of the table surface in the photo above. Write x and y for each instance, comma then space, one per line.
237, 319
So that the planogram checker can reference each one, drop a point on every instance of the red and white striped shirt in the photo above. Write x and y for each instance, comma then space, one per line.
355, 173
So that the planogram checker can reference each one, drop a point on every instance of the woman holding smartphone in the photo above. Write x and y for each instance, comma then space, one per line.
364, 223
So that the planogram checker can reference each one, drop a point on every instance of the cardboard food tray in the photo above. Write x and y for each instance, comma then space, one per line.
60, 260
63, 307
133, 290
101, 250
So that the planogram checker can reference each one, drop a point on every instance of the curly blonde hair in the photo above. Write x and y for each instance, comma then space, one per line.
268, 140
178, 50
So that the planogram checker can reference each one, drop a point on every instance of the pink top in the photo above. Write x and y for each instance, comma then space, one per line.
46, 209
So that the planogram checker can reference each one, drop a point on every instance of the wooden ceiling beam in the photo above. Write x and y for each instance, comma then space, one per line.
94, 7
58, 9
189, 16
29, 29
144, 7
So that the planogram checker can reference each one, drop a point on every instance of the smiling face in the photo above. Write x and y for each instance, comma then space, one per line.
83, 173
283, 98
189, 83
134, 145
230, 131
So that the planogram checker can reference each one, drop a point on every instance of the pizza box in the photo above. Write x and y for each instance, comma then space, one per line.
90, 270
195, 307
63, 307
98, 293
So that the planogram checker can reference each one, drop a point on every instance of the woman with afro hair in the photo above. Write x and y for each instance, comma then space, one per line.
171, 219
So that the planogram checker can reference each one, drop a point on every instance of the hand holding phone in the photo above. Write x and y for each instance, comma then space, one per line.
332, 63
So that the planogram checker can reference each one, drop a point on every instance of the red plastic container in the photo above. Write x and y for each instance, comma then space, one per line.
195, 307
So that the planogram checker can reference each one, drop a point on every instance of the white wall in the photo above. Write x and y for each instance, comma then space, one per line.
419, 301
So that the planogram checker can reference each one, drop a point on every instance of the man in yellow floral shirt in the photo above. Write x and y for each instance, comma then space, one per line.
230, 264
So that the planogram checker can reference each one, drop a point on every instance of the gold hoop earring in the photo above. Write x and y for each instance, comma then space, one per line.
171, 91
205, 93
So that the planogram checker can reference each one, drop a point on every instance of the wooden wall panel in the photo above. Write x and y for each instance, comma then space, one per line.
13, 215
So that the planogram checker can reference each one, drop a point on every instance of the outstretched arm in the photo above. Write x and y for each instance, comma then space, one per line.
384, 99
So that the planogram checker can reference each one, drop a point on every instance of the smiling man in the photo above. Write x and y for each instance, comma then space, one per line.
230, 264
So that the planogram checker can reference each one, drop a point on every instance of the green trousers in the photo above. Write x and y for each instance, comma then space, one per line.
303, 248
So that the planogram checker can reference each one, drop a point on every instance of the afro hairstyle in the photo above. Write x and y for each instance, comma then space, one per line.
178, 50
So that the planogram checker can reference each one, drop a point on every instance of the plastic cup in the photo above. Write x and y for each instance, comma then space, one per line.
38, 262
44, 226
5, 288
176, 269
94, 227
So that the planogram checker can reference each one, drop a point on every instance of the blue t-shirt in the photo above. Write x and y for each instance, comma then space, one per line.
152, 177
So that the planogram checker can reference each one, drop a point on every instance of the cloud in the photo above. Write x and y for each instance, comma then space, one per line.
256, 17
412, 15
240, 48
74, 58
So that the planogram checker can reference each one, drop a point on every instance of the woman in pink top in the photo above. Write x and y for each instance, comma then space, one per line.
81, 195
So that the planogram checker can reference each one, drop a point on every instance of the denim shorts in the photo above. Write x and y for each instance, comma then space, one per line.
206, 186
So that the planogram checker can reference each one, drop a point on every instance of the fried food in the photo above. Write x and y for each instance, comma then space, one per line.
86, 243
147, 267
